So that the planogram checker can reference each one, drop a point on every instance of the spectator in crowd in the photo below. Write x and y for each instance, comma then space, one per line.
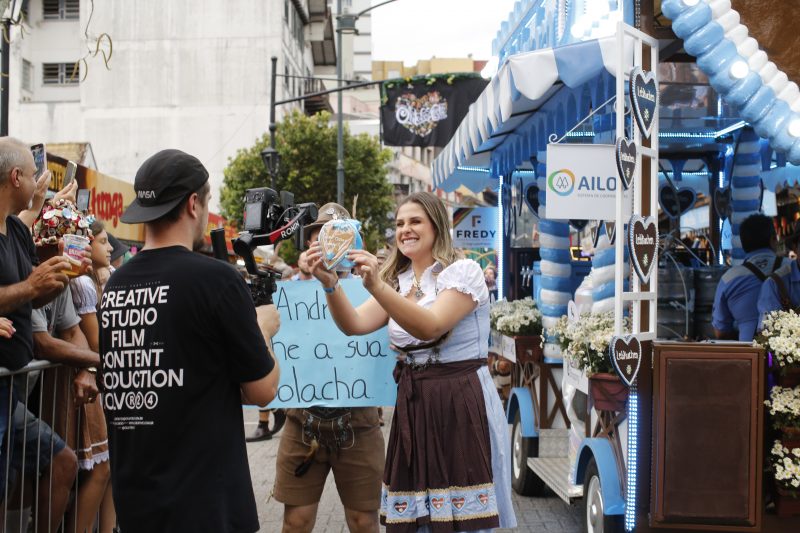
735, 311
781, 291
303, 273
58, 338
25, 284
436, 307
490, 276
86, 292
178, 454
317, 440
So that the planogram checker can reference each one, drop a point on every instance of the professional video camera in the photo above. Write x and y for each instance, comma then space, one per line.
265, 222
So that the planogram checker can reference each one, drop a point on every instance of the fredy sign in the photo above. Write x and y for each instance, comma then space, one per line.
319, 364
582, 182
475, 227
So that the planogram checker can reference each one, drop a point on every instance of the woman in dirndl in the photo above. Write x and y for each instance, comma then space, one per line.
447, 464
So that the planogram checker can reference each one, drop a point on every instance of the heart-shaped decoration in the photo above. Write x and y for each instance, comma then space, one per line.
532, 197
519, 191
643, 245
483, 498
401, 507
458, 503
611, 231
626, 161
675, 202
722, 203
644, 97
626, 355
336, 238
420, 114
437, 503
578, 224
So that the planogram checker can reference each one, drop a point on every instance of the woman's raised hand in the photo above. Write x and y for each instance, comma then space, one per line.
318, 270
367, 267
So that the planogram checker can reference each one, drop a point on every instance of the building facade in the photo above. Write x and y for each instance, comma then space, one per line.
197, 83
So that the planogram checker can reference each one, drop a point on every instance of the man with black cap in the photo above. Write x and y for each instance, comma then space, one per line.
182, 347
317, 440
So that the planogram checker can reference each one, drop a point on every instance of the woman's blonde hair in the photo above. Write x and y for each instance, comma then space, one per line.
443, 250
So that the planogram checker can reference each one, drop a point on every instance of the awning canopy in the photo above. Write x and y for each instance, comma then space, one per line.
500, 116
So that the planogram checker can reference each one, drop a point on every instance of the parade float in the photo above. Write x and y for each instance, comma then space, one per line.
586, 129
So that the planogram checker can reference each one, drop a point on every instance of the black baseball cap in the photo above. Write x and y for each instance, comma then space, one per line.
161, 183
118, 249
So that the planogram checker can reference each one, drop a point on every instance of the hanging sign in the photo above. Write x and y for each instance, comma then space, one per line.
722, 203
644, 97
421, 113
626, 355
675, 202
475, 227
626, 160
582, 182
643, 245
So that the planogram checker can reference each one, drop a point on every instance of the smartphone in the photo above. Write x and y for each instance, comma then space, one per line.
82, 201
39, 158
72, 169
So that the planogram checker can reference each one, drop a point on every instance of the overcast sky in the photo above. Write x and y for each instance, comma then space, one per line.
410, 30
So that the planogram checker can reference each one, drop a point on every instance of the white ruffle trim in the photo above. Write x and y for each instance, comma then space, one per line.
460, 287
88, 464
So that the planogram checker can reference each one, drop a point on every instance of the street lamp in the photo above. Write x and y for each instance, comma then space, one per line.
346, 23
272, 162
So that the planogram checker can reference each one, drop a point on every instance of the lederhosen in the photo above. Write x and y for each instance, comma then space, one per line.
438, 462
328, 427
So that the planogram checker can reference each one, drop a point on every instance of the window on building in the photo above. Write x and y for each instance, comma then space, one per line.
60, 74
61, 9
27, 75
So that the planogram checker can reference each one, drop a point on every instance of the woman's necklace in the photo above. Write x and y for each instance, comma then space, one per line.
418, 294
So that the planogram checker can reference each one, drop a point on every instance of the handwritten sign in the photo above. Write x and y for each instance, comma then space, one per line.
322, 366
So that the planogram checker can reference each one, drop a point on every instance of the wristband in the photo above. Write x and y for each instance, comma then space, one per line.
330, 290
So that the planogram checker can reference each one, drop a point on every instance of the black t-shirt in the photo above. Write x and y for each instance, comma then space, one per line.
17, 257
178, 334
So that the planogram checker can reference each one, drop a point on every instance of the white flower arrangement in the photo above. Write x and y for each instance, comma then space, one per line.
784, 407
785, 466
781, 336
586, 340
517, 318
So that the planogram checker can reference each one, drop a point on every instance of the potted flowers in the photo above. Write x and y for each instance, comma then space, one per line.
785, 466
780, 336
586, 342
517, 326
784, 409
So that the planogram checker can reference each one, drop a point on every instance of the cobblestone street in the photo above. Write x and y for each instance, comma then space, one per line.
533, 514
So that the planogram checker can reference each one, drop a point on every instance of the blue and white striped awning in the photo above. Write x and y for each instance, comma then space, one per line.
524, 83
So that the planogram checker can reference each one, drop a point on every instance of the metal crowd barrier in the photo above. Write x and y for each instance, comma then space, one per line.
35, 389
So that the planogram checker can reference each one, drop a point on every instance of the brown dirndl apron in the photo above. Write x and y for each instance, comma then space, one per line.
438, 462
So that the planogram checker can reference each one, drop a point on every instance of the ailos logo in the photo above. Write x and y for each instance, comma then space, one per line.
561, 182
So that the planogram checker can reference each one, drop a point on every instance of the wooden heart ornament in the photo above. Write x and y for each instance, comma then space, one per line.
722, 202
626, 161
675, 202
532, 198
611, 231
336, 238
644, 97
626, 355
643, 245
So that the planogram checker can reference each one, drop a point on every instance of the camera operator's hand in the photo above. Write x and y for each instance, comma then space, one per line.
48, 280
269, 320
318, 270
